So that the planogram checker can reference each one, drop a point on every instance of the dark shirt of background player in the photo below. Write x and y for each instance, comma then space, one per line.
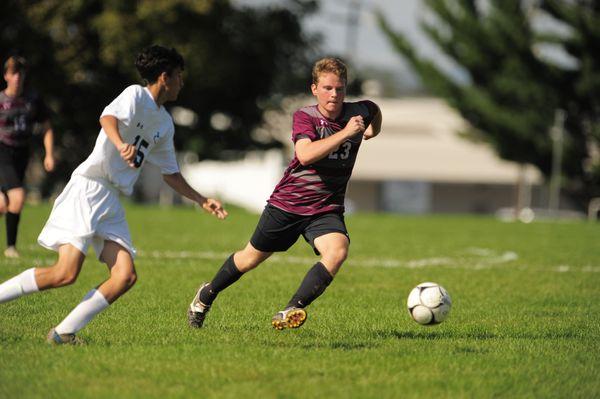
20, 111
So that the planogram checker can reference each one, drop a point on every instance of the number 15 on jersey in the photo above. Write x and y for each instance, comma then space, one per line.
140, 146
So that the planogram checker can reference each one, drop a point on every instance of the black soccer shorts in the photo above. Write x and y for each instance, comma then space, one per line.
278, 230
13, 163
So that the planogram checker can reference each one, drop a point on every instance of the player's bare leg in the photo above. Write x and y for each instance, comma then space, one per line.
122, 278
16, 199
334, 250
63, 272
14, 205
233, 268
122, 271
249, 258
3, 203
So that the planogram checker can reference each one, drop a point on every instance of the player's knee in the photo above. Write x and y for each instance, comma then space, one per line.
126, 279
248, 259
131, 279
339, 255
334, 258
255, 261
15, 207
63, 276
246, 263
16, 200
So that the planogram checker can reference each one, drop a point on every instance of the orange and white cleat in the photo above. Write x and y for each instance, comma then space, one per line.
289, 318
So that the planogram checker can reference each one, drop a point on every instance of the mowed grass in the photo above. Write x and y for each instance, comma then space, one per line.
525, 321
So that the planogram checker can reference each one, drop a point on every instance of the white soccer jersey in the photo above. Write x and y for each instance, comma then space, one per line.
144, 125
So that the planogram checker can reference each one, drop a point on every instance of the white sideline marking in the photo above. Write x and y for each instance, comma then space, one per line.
486, 258
591, 269
481, 258
475, 259
418, 263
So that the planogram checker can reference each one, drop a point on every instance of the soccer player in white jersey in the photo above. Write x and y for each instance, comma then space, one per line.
136, 129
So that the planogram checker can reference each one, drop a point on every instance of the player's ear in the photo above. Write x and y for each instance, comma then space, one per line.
313, 88
163, 77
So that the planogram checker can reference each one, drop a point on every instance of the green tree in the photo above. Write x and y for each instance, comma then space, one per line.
511, 94
82, 55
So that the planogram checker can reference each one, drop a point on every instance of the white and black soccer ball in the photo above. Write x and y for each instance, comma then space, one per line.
429, 303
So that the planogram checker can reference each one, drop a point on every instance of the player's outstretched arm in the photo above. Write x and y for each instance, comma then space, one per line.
375, 126
110, 126
177, 182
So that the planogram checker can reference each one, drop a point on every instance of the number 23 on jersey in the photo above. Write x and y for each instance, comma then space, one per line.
343, 152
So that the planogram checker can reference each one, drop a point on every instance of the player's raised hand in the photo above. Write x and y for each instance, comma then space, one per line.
355, 125
127, 152
369, 133
215, 208
49, 163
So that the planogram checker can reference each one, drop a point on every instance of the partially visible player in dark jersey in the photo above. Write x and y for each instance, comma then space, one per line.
20, 110
309, 199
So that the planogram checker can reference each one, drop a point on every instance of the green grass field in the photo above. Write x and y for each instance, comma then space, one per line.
525, 321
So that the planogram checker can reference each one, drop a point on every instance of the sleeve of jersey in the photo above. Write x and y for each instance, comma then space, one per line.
303, 127
372, 109
124, 106
163, 155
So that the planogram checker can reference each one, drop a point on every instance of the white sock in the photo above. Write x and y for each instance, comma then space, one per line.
16, 287
91, 304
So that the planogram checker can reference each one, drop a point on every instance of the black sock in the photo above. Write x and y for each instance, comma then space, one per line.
12, 226
227, 275
314, 284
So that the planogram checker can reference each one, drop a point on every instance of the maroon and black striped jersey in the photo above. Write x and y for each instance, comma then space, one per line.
321, 187
17, 116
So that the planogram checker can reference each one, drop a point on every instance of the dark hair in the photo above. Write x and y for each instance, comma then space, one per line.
15, 63
154, 60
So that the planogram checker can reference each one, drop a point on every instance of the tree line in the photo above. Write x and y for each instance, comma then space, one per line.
239, 60
513, 93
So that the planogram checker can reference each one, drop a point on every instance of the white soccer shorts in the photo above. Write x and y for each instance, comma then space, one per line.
88, 211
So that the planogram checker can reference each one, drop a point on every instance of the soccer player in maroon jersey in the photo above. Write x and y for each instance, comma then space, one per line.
19, 111
309, 199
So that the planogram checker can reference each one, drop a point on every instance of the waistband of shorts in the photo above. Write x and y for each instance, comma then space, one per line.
104, 182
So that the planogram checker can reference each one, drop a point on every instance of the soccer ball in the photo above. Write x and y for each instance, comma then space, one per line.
429, 303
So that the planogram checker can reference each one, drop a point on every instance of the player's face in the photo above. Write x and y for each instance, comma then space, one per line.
330, 91
173, 84
14, 79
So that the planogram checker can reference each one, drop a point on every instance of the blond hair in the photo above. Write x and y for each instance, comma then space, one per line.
329, 65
